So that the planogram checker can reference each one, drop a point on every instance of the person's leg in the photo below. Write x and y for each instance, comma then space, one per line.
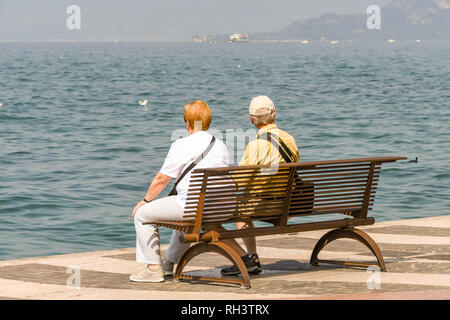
233, 244
250, 257
147, 241
176, 247
250, 242
147, 235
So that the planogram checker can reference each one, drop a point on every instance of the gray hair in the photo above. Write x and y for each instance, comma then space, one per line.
263, 116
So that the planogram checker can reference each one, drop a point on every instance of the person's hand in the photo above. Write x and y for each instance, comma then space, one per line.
136, 208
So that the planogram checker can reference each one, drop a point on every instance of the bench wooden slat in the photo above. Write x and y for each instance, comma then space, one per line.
234, 182
338, 183
302, 174
227, 182
305, 164
213, 206
193, 198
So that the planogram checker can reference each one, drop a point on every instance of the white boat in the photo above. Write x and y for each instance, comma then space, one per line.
305, 41
334, 42
391, 40
238, 37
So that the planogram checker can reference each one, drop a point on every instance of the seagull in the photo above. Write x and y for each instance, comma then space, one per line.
143, 103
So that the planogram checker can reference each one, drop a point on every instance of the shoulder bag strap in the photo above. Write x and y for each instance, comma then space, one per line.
284, 151
192, 165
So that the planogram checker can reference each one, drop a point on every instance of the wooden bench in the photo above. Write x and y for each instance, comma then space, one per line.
219, 196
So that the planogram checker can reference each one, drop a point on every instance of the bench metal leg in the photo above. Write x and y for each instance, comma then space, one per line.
355, 234
217, 247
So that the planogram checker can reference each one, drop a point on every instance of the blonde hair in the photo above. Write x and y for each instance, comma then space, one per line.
195, 112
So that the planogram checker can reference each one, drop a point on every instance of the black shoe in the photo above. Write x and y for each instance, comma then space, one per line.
252, 263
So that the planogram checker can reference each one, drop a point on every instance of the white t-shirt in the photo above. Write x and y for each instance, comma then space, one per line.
184, 151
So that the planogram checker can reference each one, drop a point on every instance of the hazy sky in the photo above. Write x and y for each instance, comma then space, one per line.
43, 20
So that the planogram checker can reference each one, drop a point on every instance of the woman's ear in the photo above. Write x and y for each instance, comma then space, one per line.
188, 128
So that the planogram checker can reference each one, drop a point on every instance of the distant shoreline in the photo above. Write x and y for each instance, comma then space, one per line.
300, 41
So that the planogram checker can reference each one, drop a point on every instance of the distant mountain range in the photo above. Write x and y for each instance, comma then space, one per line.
400, 20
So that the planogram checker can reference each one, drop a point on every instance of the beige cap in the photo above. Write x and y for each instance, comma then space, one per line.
261, 102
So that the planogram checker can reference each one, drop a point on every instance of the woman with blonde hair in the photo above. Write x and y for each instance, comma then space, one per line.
200, 150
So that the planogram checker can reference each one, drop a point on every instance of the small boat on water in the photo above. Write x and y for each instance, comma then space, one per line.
334, 42
238, 37
391, 40
305, 41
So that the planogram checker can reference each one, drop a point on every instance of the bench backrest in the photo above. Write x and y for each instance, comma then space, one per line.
295, 189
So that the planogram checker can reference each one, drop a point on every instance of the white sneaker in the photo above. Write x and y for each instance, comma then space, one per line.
148, 276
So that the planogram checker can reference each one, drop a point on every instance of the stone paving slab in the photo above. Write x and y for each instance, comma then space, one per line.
416, 251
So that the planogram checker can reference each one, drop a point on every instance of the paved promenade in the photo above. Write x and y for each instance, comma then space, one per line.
416, 252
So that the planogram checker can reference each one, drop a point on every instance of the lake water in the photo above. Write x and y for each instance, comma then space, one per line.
77, 151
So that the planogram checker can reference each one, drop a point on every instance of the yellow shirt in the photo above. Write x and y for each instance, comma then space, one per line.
263, 152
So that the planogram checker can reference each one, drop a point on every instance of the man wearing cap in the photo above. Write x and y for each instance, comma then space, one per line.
262, 114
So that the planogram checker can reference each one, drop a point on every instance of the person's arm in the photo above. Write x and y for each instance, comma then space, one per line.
159, 182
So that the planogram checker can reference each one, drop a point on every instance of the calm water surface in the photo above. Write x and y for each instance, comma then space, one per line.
77, 151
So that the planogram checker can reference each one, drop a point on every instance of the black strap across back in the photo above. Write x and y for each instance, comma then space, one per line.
303, 191
173, 192
282, 148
